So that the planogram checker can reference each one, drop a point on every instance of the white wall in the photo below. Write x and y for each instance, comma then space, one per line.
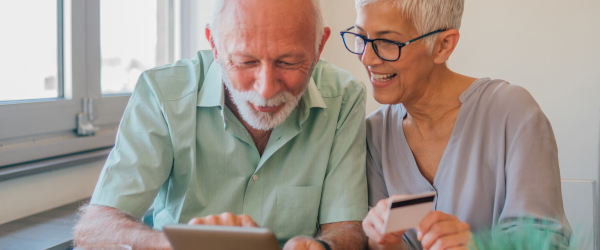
32, 194
550, 47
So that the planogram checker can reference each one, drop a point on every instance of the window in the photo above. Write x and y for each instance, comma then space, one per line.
130, 32
69, 63
34, 72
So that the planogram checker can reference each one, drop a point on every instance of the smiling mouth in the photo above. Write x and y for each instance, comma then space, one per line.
382, 77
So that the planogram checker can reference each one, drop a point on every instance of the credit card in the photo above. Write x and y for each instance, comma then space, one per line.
407, 212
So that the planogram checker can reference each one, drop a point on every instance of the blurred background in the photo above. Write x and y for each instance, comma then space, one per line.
63, 59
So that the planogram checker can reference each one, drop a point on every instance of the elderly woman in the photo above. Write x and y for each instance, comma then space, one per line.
484, 146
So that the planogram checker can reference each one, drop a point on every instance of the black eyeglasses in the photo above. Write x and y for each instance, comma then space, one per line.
387, 50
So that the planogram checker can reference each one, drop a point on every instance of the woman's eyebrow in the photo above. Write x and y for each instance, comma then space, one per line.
385, 32
380, 33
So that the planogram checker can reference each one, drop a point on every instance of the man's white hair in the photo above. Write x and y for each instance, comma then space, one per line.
426, 15
217, 9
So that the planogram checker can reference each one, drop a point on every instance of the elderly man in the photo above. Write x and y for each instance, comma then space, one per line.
256, 132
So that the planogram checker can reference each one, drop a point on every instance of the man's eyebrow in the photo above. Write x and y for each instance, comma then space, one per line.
291, 54
241, 54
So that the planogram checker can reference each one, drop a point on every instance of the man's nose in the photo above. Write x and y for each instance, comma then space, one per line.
266, 83
369, 57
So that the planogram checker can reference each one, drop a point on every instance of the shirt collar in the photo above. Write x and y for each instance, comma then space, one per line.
211, 94
312, 98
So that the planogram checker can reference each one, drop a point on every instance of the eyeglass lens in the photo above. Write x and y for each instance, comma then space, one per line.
385, 50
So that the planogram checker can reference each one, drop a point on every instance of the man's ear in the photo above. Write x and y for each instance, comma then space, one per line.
445, 45
326, 35
211, 40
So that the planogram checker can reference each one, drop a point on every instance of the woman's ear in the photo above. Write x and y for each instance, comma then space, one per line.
445, 45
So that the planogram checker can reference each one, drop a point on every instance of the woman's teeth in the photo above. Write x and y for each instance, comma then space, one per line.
382, 77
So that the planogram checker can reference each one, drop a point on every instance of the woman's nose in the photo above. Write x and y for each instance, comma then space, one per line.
369, 57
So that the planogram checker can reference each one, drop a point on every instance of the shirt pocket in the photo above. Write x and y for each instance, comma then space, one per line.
297, 211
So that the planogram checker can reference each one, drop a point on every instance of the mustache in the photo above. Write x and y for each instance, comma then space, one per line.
256, 99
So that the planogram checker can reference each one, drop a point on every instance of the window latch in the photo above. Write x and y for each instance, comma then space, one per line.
86, 117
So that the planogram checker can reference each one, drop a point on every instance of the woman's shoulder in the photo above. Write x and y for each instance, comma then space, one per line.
386, 115
498, 97
382, 119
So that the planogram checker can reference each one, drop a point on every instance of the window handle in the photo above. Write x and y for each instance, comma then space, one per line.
86, 117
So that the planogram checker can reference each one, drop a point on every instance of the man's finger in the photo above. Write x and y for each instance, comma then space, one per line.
212, 220
301, 243
228, 219
196, 221
246, 221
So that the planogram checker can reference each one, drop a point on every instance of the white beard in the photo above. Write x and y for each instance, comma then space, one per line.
262, 120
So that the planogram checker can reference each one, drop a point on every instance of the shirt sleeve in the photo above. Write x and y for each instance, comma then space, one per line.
142, 158
344, 195
375, 180
533, 180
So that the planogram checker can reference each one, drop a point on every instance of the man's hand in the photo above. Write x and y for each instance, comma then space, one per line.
439, 231
224, 219
373, 226
102, 225
303, 243
346, 235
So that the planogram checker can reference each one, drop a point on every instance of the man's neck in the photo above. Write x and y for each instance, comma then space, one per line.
260, 137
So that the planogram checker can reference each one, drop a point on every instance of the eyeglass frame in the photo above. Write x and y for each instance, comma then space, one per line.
372, 41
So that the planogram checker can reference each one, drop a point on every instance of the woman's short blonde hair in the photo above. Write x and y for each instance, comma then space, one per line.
426, 15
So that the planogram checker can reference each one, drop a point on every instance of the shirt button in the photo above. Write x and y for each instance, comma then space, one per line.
255, 177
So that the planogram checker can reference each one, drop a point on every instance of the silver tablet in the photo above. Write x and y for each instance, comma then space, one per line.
186, 237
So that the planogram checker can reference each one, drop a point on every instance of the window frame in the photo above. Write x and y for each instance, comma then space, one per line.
33, 130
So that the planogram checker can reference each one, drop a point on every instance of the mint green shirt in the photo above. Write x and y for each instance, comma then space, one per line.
180, 147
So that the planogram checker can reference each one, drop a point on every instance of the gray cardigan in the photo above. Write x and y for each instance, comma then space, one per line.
500, 164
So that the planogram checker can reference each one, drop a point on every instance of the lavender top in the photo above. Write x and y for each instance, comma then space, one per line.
500, 164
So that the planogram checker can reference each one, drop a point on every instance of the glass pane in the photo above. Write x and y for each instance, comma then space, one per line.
129, 31
29, 65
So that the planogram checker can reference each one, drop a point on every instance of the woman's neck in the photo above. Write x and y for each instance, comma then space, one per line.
443, 88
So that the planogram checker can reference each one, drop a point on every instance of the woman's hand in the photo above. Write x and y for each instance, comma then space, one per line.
440, 231
373, 226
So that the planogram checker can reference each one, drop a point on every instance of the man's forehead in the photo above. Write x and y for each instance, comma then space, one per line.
238, 45
267, 28
268, 14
